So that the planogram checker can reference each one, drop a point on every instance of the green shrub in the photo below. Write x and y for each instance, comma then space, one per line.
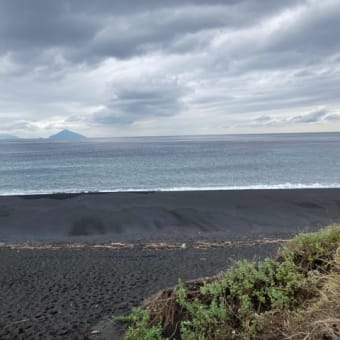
233, 305
140, 329
311, 251
236, 299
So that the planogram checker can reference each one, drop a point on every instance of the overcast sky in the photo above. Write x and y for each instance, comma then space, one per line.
169, 67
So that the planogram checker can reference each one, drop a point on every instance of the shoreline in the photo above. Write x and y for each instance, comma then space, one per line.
74, 193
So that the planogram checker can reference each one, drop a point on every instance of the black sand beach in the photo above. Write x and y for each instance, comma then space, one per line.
68, 262
64, 294
133, 216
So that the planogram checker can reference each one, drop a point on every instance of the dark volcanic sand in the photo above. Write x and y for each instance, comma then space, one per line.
63, 294
165, 215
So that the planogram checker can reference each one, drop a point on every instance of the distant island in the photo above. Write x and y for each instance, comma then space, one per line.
6, 136
67, 134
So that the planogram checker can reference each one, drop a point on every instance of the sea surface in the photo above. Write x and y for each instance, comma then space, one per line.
170, 163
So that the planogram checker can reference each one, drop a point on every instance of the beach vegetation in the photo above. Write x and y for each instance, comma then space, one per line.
297, 294
140, 318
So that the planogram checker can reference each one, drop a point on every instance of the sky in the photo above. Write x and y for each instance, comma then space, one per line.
109, 68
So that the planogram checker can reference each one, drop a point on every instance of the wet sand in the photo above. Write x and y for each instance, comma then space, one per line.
69, 262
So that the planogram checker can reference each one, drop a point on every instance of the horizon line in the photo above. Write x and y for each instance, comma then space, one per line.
14, 137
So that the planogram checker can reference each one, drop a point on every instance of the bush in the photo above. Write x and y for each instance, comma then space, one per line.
313, 251
236, 300
141, 330
235, 304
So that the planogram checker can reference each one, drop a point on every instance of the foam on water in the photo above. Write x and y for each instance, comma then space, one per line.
283, 186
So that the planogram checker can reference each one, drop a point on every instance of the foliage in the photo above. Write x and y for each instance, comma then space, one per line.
235, 304
141, 330
236, 300
316, 250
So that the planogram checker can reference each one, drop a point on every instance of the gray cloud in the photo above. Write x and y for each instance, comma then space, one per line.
119, 65
301, 36
84, 31
311, 117
313, 31
139, 101
333, 117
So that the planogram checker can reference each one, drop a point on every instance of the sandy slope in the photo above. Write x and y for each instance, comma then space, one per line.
165, 215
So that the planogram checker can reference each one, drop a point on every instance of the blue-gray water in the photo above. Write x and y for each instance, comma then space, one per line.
170, 163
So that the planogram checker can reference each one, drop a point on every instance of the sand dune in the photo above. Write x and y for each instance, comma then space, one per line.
165, 215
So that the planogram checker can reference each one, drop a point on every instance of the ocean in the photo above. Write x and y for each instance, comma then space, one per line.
170, 163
